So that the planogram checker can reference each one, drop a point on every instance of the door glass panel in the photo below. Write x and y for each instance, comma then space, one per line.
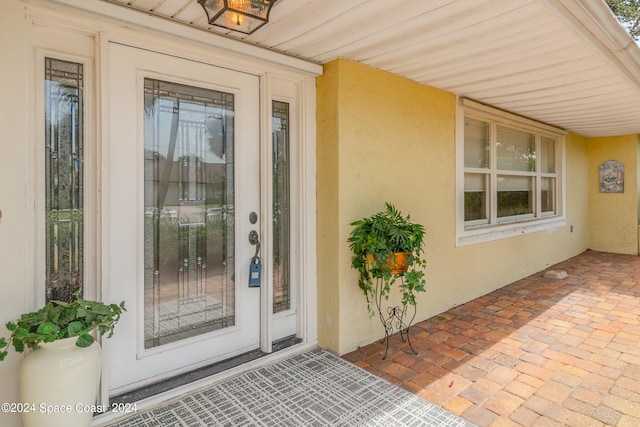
189, 211
281, 208
64, 204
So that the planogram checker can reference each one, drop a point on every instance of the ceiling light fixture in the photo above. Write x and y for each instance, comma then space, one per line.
245, 16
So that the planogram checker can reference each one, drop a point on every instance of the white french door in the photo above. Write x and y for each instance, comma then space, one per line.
182, 194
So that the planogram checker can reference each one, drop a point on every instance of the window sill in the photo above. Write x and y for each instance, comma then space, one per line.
496, 232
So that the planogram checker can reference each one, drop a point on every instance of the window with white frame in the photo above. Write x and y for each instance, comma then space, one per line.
509, 174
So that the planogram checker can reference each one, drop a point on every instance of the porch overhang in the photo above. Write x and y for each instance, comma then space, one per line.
568, 63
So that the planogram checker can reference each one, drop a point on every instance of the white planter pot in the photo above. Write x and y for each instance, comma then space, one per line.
61, 381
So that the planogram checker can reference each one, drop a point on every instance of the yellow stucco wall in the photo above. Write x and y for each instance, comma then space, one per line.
385, 138
327, 202
614, 216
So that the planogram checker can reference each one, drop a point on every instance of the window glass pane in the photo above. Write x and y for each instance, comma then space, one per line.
548, 194
64, 204
547, 155
516, 150
476, 143
281, 207
515, 195
475, 196
189, 211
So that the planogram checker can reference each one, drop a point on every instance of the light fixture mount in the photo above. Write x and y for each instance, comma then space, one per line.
244, 16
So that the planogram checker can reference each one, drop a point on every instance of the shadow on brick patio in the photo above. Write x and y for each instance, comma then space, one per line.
537, 352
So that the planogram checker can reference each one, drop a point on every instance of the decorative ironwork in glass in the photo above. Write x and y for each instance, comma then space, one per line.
281, 208
64, 202
189, 211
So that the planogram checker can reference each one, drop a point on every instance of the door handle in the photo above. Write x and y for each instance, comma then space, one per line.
255, 241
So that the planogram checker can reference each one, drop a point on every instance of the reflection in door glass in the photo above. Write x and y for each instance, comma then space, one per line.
281, 208
189, 211
64, 166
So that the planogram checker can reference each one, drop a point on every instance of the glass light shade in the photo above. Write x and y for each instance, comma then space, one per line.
244, 16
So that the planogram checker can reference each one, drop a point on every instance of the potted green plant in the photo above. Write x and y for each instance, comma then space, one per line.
58, 320
375, 242
59, 379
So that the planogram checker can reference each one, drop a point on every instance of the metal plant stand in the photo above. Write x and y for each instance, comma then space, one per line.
394, 319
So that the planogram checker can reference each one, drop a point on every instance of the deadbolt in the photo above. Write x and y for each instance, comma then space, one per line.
253, 217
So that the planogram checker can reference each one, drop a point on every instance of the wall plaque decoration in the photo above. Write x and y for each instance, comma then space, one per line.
612, 177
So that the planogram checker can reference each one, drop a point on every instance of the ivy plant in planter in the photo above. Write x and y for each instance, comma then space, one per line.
58, 320
375, 241
65, 364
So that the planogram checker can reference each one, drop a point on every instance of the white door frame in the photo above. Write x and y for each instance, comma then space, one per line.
274, 84
124, 213
104, 22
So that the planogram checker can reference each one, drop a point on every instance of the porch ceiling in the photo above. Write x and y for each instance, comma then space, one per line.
563, 62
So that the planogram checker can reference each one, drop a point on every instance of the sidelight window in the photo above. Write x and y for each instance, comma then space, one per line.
64, 168
281, 208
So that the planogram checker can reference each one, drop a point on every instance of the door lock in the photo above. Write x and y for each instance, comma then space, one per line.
255, 241
253, 237
253, 218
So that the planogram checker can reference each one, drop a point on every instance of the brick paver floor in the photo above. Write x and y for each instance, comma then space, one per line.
538, 352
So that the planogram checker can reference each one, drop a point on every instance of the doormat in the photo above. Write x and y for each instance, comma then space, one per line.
314, 388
